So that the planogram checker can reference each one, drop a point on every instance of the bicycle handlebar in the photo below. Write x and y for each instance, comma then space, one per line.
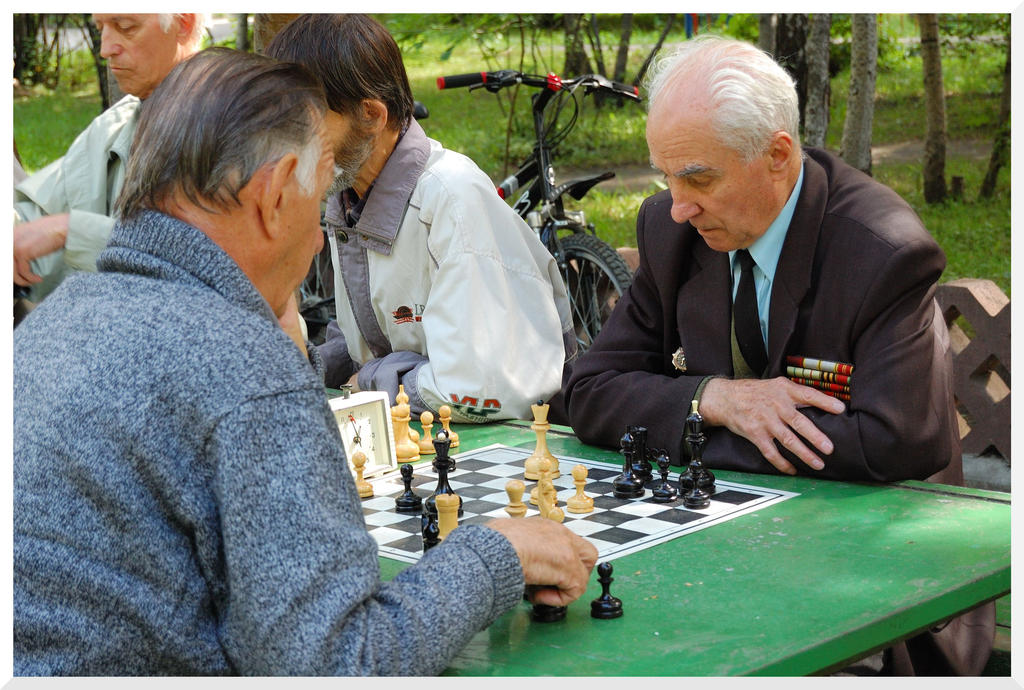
494, 81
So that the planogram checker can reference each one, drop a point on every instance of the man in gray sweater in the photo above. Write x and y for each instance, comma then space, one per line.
182, 502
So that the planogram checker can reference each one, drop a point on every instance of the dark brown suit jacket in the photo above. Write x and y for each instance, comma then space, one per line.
854, 283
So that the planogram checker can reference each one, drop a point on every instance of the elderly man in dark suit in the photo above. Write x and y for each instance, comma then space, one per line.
758, 252
843, 270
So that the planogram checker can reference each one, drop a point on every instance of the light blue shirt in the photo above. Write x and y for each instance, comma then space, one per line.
765, 252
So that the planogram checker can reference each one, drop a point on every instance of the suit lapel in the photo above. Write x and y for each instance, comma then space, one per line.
794, 273
704, 308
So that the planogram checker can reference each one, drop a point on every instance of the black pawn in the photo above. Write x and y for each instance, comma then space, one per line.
442, 465
605, 606
408, 502
542, 613
664, 492
627, 485
641, 462
431, 532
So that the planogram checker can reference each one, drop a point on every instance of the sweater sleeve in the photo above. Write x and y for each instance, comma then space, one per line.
304, 593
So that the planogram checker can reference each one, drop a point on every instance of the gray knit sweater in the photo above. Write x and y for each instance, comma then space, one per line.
182, 503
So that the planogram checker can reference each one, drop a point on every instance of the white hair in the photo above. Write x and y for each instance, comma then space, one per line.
202, 21
309, 159
751, 97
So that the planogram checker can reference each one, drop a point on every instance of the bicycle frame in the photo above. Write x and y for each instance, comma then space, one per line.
540, 188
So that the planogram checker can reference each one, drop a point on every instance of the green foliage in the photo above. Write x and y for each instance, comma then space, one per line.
972, 81
46, 123
975, 235
50, 63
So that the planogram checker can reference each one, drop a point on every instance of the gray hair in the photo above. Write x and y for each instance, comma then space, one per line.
198, 28
751, 96
213, 122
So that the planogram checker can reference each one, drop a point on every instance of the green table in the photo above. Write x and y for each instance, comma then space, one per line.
800, 587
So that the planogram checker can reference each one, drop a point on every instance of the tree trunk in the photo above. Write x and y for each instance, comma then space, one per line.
265, 27
622, 56
25, 27
860, 109
242, 32
576, 62
818, 90
935, 111
595, 44
94, 40
1001, 146
790, 44
766, 33
654, 51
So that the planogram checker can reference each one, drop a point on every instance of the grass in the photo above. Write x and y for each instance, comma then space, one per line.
46, 123
974, 234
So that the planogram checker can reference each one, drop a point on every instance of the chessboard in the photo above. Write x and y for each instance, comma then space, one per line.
616, 527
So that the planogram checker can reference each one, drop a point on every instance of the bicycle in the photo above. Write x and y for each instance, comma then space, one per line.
595, 274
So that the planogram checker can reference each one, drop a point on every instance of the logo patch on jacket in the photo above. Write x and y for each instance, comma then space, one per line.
406, 314
471, 407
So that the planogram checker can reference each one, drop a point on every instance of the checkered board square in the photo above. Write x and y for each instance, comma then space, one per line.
616, 527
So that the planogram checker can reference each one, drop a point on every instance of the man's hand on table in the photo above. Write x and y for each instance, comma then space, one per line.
767, 410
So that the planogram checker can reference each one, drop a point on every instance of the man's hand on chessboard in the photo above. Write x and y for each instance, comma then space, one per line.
767, 410
552, 557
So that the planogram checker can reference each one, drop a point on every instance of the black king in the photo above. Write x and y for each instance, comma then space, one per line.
698, 483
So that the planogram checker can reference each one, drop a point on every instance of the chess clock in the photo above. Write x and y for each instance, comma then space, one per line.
364, 420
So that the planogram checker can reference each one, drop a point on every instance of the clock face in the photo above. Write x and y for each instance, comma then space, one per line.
364, 420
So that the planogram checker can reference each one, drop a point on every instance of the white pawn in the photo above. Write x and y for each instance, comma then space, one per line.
364, 487
426, 443
580, 503
516, 508
445, 413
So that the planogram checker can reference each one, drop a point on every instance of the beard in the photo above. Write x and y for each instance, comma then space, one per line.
349, 158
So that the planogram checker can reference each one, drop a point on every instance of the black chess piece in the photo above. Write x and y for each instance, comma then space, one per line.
605, 606
442, 464
542, 613
431, 532
696, 476
408, 501
664, 492
627, 485
641, 460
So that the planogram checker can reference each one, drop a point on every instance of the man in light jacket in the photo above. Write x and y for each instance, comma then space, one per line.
63, 213
440, 286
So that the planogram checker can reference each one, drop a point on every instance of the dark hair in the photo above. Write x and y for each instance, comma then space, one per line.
215, 120
355, 58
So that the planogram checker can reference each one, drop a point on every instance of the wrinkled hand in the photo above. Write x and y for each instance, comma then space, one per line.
552, 556
354, 382
291, 323
767, 410
37, 238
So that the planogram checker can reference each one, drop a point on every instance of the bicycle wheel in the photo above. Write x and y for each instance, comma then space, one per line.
595, 277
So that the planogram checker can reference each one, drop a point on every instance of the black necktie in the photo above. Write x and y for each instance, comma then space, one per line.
748, 326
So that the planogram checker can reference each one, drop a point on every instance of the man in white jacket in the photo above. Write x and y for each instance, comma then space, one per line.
439, 285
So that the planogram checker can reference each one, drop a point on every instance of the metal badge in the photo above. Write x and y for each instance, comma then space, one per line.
679, 359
